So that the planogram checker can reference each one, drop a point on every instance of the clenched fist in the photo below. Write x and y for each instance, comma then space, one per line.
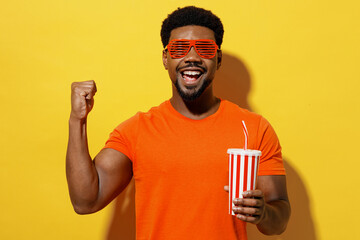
82, 99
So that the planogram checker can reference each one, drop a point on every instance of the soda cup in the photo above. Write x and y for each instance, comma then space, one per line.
243, 168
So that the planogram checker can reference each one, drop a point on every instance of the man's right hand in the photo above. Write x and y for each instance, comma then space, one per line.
82, 99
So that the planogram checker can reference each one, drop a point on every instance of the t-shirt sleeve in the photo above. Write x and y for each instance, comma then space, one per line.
123, 137
271, 162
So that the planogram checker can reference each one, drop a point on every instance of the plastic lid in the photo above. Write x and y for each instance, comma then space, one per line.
240, 151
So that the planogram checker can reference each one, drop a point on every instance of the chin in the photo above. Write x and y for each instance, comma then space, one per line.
192, 92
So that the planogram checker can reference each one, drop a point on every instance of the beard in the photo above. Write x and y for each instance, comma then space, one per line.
193, 94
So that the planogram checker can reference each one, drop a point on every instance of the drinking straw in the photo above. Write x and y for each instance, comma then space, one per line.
245, 133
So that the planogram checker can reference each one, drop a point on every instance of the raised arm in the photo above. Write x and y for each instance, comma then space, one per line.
92, 184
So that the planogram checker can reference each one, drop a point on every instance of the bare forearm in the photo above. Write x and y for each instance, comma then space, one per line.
276, 217
80, 171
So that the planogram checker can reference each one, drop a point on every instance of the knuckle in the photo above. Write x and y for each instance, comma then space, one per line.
254, 211
77, 89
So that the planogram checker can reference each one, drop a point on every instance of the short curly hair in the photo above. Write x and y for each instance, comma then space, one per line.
191, 15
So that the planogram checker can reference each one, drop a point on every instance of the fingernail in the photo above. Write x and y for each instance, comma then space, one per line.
240, 217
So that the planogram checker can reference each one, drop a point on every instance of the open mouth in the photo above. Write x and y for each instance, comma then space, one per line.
190, 77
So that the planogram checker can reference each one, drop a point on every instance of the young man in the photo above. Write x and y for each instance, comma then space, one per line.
177, 152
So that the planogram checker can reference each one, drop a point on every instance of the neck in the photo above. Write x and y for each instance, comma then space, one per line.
202, 107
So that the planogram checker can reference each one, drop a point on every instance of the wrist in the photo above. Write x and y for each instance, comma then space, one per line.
275, 217
265, 214
73, 120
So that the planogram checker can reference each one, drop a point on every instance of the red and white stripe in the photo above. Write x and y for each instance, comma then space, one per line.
246, 134
242, 175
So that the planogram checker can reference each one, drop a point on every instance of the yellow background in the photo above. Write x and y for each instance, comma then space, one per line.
303, 63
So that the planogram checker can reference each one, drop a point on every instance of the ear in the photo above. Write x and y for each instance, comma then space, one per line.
219, 59
165, 59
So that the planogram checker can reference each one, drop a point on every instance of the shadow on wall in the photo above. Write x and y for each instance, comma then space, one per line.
301, 225
122, 223
233, 83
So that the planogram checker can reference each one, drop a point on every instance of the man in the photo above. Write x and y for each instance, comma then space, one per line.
176, 152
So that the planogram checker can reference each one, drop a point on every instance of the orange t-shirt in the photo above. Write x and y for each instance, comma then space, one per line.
180, 167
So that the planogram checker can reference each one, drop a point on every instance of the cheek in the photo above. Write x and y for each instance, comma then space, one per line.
172, 65
212, 67
172, 71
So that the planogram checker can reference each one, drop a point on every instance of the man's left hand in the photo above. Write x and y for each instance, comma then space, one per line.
250, 208
268, 206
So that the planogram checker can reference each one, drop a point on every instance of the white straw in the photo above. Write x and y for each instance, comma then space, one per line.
246, 134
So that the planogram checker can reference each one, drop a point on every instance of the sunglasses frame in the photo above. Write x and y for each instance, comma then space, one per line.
192, 44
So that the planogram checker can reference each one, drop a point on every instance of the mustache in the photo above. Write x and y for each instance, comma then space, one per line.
192, 64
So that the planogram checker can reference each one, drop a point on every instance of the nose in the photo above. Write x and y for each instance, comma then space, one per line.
192, 56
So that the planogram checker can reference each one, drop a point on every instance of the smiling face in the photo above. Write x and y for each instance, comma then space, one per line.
191, 75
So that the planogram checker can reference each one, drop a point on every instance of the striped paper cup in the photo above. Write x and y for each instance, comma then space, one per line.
243, 168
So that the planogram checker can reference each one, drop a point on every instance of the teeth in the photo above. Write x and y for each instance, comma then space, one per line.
193, 73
